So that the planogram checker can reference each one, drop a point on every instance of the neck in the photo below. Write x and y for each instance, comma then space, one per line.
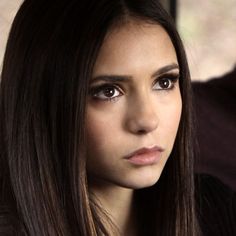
118, 203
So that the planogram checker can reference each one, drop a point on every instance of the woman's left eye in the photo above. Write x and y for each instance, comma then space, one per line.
106, 92
165, 83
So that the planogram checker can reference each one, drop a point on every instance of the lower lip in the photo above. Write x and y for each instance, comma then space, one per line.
148, 158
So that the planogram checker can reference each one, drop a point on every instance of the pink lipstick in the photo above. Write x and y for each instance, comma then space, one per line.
145, 156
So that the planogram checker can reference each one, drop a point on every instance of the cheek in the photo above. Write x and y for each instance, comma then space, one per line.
96, 140
101, 144
96, 134
170, 120
173, 115
100, 128
103, 121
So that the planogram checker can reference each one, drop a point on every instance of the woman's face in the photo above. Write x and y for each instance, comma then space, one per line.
134, 107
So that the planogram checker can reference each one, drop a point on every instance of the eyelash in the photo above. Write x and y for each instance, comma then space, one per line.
172, 78
94, 91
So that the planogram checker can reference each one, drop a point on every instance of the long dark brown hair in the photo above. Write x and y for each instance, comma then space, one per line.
50, 54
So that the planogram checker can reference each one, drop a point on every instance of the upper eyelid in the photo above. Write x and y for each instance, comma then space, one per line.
97, 88
119, 83
169, 69
105, 84
172, 76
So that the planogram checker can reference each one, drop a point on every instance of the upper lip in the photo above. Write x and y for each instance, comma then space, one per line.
144, 150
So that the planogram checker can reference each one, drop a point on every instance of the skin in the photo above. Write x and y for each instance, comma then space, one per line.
130, 114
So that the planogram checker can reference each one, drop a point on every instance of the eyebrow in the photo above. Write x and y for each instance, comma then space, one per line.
165, 69
123, 78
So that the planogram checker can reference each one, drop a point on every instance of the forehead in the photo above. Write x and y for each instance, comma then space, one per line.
135, 45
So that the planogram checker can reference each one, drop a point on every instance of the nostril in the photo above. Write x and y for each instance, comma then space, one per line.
142, 131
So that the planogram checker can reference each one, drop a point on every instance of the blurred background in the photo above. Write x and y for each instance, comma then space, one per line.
208, 29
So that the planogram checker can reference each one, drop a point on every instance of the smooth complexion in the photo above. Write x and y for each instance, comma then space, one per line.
133, 113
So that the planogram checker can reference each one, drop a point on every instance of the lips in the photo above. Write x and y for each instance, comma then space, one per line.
145, 156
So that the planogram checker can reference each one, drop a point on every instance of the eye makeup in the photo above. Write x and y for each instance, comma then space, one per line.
166, 81
111, 87
106, 92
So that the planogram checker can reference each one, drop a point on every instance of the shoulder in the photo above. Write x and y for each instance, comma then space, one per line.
10, 224
216, 206
6, 226
209, 185
9, 220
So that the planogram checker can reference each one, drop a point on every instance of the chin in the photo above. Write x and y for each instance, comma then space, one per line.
142, 181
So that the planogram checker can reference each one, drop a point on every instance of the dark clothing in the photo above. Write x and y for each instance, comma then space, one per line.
216, 207
215, 104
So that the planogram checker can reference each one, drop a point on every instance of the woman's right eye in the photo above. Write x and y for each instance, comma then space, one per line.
106, 92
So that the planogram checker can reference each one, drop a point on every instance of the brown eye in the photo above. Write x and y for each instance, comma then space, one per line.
106, 92
166, 82
109, 92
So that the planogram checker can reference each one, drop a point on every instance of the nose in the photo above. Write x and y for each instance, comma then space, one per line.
142, 116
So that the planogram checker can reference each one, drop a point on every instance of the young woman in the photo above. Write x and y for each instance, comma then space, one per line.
95, 114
